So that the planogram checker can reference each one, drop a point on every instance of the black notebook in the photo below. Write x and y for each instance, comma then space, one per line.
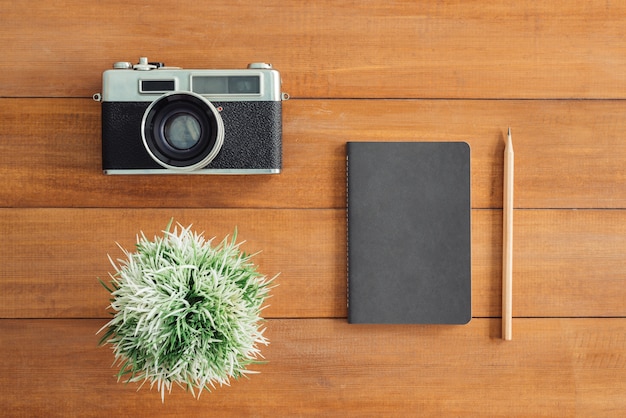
409, 232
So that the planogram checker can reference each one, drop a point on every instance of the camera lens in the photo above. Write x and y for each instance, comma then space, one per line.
182, 131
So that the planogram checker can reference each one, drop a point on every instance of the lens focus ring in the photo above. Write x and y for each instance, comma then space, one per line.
182, 131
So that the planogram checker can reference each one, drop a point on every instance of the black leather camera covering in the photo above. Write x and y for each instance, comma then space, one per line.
252, 136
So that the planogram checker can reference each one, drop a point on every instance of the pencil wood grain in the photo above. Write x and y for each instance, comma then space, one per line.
507, 239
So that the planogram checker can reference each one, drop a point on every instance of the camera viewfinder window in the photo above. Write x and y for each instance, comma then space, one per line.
157, 86
226, 84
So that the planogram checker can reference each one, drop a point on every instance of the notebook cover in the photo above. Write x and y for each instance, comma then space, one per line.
409, 232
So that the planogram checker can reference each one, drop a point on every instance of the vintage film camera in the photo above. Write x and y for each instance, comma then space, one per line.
167, 120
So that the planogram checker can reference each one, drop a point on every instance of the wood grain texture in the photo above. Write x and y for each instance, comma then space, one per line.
396, 70
330, 368
339, 49
54, 273
569, 154
583, 251
567, 263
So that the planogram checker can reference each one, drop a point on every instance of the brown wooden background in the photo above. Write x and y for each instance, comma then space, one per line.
356, 70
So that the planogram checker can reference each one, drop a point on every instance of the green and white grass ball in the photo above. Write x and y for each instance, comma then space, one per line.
185, 312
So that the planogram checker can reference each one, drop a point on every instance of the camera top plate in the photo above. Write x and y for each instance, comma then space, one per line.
146, 81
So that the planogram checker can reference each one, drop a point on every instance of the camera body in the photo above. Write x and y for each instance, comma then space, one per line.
167, 120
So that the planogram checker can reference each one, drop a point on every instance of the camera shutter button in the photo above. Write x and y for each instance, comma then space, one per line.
144, 65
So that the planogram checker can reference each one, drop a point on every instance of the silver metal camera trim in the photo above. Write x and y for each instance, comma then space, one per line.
219, 171
219, 140
121, 85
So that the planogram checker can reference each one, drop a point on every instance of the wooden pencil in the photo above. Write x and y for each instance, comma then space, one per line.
507, 241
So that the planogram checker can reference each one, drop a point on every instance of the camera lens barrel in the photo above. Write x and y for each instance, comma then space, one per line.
182, 131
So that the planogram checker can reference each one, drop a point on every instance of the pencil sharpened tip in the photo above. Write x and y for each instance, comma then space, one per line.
508, 143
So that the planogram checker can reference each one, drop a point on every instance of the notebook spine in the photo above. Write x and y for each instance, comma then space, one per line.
347, 234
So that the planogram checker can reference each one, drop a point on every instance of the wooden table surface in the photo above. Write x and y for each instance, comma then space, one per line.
355, 70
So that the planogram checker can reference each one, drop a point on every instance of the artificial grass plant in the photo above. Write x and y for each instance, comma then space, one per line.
185, 311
